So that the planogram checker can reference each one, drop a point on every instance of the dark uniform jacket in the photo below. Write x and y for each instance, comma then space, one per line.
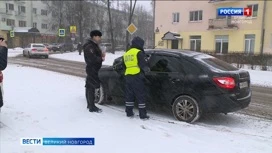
93, 60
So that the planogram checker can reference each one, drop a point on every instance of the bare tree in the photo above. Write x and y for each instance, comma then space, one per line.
110, 25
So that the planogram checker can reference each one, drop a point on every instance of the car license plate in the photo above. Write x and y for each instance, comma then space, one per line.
243, 85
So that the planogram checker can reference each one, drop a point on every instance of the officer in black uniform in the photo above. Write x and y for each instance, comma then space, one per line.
93, 58
136, 67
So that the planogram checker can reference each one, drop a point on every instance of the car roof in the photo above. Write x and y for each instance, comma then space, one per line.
36, 44
188, 53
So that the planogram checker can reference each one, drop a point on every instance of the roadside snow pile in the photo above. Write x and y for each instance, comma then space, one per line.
15, 52
57, 108
261, 78
74, 56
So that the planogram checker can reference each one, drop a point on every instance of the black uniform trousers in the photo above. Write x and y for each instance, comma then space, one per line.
135, 90
92, 83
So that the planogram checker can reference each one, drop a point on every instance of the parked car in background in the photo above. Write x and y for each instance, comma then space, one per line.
189, 83
35, 49
48, 46
64, 47
55, 47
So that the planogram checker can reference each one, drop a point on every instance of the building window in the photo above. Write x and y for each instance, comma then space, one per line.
54, 27
34, 10
254, 9
10, 22
44, 26
175, 17
22, 23
249, 44
34, 24
221, 44
44, 12
9, 7
195, 43
196, 15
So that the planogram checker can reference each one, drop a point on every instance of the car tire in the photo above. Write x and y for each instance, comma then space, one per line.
100, 95
189, 105
29, 55
46, 56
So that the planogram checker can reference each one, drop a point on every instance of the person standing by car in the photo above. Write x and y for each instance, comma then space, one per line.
136, 67
93, 58
3, 62
79, 48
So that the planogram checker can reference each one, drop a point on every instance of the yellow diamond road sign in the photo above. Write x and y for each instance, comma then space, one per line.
131, 28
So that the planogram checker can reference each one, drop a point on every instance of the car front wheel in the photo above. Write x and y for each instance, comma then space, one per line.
185, 108
100, 95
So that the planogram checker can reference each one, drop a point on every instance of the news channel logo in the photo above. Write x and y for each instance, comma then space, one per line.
234, 12
57, 141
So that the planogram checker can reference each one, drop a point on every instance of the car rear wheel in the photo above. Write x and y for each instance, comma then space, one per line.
185, 108
29, 55
100, 95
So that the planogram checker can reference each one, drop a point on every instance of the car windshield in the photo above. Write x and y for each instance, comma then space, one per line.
216, 63
37, 45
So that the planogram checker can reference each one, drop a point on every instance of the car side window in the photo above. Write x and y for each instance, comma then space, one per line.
164, 63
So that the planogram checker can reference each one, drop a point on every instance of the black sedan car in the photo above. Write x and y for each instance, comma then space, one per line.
189, 83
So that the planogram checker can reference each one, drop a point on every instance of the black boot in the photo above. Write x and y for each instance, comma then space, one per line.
90, 99
143, 114
129, 111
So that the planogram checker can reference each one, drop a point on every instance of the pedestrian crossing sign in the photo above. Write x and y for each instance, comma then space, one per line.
62, 32
11, 34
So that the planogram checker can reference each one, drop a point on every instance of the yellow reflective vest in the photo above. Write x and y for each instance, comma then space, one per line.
131, 61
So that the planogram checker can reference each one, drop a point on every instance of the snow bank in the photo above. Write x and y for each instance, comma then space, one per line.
15, 52
74, 56
48, 104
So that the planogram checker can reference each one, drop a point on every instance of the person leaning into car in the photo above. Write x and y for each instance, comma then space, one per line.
93, 58
3, 62
135, 69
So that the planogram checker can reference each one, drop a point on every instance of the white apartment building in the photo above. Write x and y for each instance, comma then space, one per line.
21, 16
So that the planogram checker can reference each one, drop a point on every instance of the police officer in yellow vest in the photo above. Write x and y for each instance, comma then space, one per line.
136, 67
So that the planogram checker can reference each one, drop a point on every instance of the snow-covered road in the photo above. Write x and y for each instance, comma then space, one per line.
40, 103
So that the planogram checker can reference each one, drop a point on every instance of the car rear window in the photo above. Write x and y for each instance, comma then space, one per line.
216, 63
37, 45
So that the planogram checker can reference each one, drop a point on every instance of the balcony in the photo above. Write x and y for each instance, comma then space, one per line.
19, 1
20, 14
222, 1
223, 24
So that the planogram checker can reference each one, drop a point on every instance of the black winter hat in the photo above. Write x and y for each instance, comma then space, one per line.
137, 41
95, 33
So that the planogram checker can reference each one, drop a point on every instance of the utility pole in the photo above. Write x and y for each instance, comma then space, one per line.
263, 27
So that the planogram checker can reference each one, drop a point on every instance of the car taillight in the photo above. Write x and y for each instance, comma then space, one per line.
1, 77
34, 50
225, 82
46, 50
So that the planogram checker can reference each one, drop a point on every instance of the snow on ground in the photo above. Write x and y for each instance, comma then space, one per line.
74, 56
260, 78
15, 52
38, 104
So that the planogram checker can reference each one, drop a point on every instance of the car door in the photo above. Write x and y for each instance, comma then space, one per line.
117, 80
166, 77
